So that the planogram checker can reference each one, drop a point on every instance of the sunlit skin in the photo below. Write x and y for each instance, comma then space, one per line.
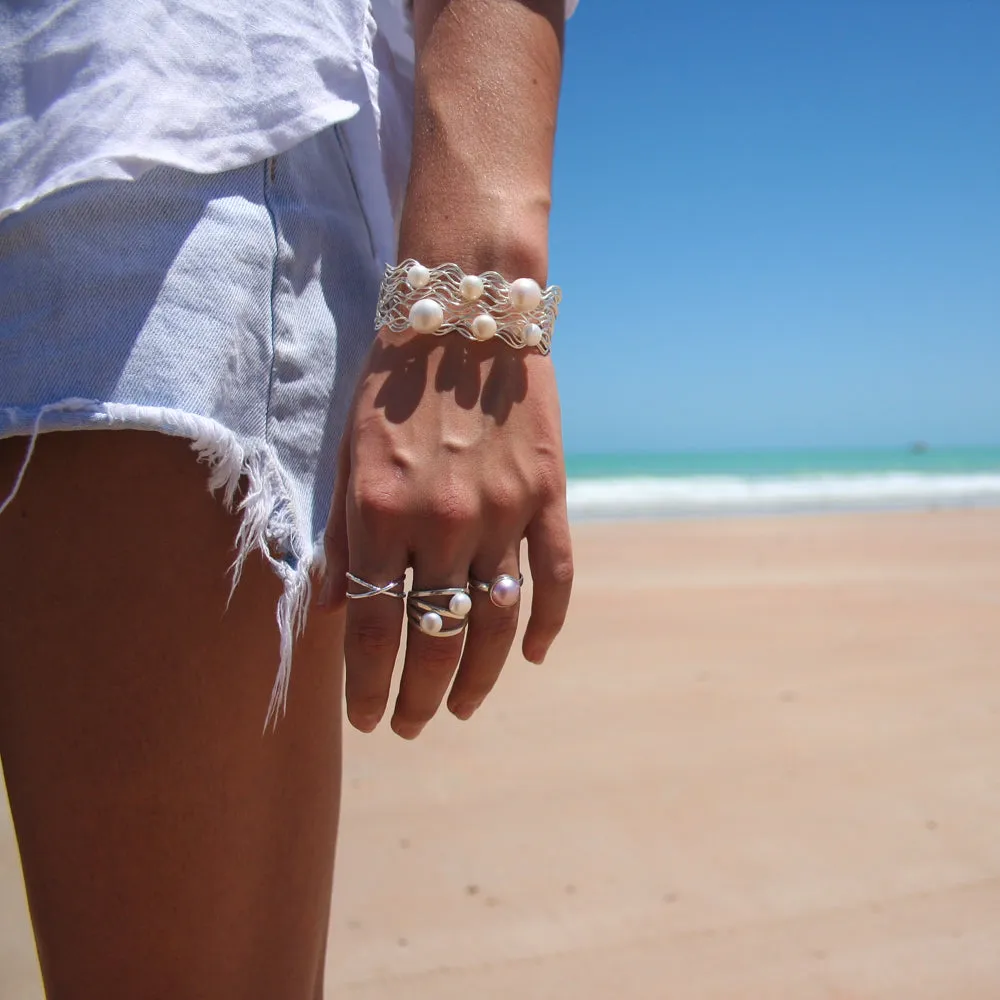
170, 848
454, 451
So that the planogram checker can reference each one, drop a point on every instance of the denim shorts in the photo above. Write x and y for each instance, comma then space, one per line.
233, 309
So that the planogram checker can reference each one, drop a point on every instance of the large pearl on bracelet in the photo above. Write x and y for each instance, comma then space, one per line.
532, 335
431, 623
483, 326
426, 315
471, 287
525, 294
505, 591
460, 604
418, 276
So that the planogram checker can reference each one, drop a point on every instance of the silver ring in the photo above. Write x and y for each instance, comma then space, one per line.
430, 615
504, 590
394, 588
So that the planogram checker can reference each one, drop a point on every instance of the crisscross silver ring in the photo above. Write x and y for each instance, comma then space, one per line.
394, 588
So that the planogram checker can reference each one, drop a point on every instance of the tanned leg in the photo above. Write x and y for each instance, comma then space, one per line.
171, 848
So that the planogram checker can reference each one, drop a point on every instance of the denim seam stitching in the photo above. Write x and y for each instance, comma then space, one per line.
345, 153
267, 171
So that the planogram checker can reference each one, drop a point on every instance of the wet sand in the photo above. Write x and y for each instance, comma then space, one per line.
762, 762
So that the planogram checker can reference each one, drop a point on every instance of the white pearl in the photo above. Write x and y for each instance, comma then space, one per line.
426, 315
431, 622
418, 276
460, 604
525, 294
532, 335
505, 592
471, 287
484, 326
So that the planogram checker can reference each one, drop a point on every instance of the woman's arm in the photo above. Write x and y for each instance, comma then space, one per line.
453, 454
487, 89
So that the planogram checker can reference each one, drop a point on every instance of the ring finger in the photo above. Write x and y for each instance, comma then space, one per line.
492, 626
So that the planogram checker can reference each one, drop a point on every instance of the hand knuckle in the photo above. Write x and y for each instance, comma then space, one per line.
376, 502
436, 665
560, 572
499, 626
550, 482
454, 508
373, 640
501, 497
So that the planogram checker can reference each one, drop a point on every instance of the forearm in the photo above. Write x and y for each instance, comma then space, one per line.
487, 90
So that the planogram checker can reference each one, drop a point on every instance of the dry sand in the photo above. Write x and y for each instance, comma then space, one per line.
763, 762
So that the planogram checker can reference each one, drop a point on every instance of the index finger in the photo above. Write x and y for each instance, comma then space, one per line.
374, 619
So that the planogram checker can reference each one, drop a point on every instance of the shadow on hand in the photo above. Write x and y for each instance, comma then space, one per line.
406, 364
506, 384
459, 372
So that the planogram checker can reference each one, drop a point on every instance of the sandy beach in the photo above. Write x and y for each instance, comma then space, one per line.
763, 762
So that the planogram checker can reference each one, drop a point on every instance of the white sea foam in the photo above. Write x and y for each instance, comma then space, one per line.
707, 495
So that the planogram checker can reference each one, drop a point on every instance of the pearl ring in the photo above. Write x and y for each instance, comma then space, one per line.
447, 603
504, 590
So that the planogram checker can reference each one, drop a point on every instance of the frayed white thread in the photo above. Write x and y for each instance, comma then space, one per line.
267, 517
267, 525
63, 405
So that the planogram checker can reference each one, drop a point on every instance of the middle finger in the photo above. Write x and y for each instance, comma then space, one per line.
430, 660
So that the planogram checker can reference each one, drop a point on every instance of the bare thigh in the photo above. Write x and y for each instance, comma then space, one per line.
171, 847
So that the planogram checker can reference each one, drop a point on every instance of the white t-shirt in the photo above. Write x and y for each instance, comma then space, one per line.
110, 88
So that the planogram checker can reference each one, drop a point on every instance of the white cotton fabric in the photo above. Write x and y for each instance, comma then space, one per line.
107, 89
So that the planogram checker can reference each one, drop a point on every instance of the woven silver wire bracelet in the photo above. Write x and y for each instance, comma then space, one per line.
444, 299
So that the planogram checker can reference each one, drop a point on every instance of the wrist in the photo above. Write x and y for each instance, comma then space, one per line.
479, 234
480, 254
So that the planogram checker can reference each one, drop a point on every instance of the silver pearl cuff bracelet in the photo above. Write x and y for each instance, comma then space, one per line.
445, 299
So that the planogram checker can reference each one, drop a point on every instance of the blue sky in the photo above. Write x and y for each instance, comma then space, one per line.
777, 222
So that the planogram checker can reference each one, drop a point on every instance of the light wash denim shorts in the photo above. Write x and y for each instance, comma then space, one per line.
234, 310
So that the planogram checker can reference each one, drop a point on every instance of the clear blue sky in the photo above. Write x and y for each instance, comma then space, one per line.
777, 222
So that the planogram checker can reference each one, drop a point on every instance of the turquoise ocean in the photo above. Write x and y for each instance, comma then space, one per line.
711, 483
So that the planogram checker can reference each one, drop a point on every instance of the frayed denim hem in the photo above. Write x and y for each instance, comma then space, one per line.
268, 524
